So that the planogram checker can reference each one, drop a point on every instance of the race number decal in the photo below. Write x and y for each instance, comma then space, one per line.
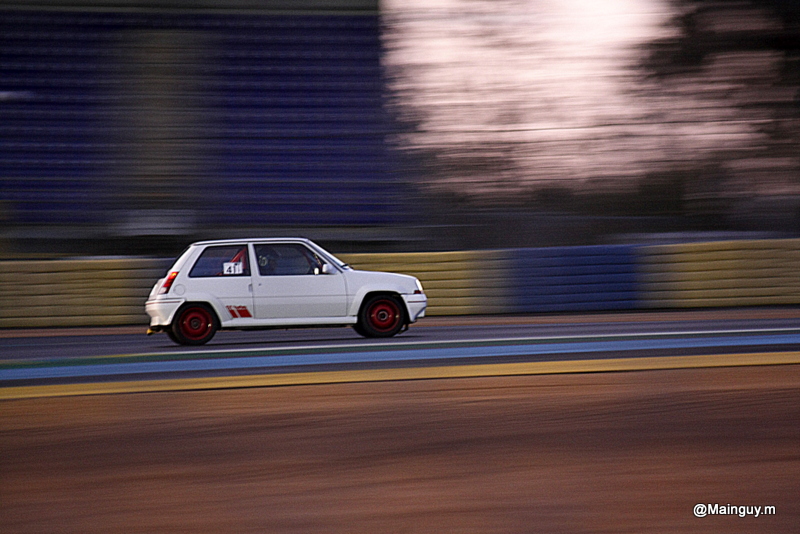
232, 268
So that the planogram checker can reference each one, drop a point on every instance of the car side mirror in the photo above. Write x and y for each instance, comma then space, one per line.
327, 268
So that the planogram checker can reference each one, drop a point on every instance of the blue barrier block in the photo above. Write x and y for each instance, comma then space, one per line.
582, 291
591, 278
602, 271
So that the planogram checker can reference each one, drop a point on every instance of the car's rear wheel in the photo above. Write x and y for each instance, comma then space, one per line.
381, 316
194, 324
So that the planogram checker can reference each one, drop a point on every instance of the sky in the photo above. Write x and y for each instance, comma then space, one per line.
513, 94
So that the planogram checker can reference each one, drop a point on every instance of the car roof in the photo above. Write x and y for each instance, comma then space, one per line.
253, 240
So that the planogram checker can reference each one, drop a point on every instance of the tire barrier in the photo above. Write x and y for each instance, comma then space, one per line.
63, 293
721, 274
574, 279
92, 292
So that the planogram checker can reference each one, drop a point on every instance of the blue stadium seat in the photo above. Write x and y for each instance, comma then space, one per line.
292, 121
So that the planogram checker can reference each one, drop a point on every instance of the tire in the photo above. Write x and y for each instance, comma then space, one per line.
359, 330
381, 316
172, 335
194, 324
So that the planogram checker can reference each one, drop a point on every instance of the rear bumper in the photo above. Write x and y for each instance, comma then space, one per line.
161, 312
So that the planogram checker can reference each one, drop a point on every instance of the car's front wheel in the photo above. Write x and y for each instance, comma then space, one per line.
381, 316
195, 324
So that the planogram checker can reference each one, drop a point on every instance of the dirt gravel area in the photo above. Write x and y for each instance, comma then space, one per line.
596, 453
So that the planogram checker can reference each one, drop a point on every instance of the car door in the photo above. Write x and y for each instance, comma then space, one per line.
222, 272
290, 284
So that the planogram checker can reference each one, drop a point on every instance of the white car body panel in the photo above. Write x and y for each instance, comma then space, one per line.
303, 297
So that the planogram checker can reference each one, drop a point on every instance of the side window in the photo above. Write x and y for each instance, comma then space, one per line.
287, 260
226, 260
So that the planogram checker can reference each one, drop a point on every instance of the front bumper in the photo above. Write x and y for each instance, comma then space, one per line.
416, 305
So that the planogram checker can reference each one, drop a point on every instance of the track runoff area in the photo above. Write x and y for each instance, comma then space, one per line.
448, 348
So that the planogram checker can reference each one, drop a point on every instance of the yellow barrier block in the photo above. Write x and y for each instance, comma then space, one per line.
738, 245
674, 303
405, 257
727, 273
691, 284
75, 292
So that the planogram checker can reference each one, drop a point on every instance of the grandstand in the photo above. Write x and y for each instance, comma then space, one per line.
122, 124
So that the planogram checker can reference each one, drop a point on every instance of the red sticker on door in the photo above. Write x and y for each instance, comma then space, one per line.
239, 312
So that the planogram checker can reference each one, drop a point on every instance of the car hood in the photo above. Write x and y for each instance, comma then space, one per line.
402, 283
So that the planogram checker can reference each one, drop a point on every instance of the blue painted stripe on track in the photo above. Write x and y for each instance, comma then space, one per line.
398, 355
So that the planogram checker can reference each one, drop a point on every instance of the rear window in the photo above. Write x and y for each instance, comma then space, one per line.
224, 260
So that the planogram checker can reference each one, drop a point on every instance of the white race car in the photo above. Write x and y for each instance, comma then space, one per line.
240, 284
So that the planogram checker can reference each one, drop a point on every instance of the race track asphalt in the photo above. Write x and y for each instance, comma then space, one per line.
579, 453
81, 361
591, 439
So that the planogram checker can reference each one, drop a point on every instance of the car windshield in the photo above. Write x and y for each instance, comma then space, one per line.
339, 263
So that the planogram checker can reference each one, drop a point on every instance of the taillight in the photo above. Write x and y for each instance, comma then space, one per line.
168, 283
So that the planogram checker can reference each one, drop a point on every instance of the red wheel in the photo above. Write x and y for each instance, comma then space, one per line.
195, 324
381, 316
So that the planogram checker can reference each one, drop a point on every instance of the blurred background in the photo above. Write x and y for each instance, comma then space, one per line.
134, 127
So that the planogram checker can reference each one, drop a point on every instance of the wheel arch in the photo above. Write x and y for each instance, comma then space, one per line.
195, 302
207, 299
